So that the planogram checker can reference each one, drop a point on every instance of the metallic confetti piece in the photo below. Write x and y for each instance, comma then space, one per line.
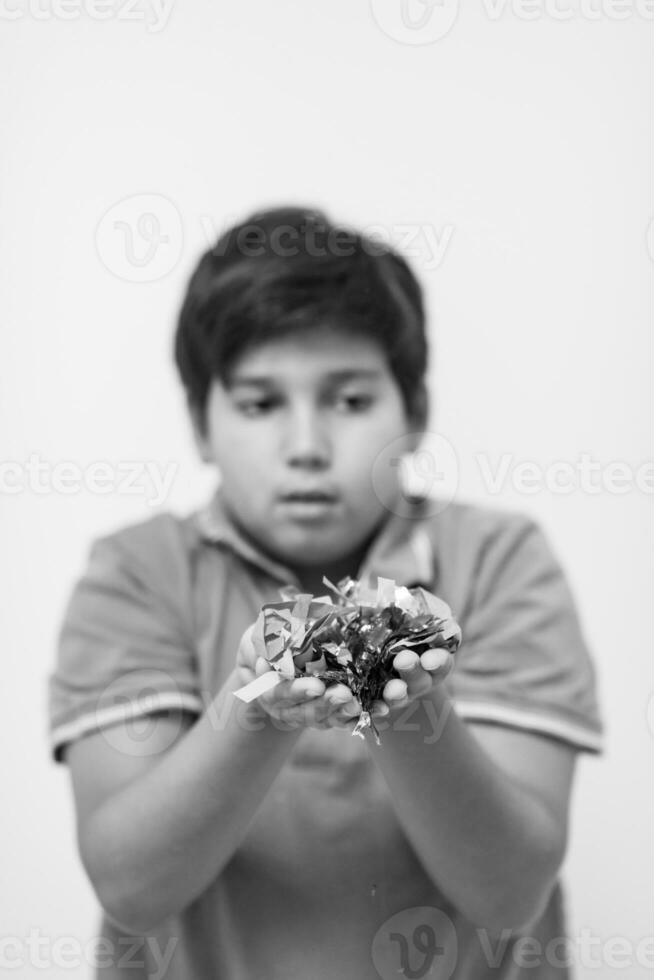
265, 682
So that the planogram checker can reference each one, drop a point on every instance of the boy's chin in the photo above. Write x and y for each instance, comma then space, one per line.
335, 555
312, 559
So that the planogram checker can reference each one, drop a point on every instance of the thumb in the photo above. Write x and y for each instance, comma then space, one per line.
261, 666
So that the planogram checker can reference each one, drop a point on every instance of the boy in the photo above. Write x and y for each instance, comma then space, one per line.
261, 840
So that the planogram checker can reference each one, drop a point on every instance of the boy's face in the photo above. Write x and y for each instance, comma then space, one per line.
306, 412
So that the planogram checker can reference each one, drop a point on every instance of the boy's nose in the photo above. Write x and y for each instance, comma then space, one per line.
307, 442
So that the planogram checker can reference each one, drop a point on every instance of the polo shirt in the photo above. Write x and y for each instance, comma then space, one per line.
325, 885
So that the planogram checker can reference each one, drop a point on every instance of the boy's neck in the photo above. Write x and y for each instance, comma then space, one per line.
310, 578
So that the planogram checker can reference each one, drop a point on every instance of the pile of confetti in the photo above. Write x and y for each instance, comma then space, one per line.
351, 639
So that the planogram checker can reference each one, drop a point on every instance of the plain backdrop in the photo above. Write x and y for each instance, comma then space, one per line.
511, 157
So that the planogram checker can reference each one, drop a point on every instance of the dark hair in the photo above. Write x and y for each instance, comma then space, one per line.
289, 269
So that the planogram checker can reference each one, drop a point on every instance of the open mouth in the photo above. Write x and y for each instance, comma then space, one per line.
309, 498
310, 505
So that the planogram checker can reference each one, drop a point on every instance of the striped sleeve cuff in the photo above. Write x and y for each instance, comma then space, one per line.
96, 720
583, 738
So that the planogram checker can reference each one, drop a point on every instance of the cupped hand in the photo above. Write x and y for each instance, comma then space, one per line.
308, 702
419, 673
301, 702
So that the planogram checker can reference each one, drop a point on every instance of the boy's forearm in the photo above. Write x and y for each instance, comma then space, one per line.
488, 844
161, 841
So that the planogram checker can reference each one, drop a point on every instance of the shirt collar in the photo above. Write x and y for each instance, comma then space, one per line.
401, 549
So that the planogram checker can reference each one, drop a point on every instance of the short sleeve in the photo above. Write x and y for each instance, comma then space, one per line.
524, 661
123, 649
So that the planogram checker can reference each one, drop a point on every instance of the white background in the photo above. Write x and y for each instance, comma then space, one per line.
524, 144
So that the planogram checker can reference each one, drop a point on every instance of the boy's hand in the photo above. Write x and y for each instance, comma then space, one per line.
306, 702
418, 674
301, 702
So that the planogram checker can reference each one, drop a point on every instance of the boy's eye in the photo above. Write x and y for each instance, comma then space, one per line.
355, 402
257, 406
254, 406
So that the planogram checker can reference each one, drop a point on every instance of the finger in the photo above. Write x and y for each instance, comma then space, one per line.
347, 707
316, 713
344, 705
287, 718
437, 659
337, 699
395, 692
292, 692
379, 709
339, 695
261, 666
305, 688
338, 702
417, 680
406, 661
345, 717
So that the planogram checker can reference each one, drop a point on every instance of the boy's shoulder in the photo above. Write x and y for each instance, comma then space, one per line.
450, 523
158, 551
472, 544
153, 537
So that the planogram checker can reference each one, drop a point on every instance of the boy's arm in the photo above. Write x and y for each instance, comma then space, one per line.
485, 808
157, 823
